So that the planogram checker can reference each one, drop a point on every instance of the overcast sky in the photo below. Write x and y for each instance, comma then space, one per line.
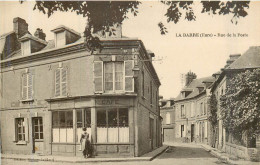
201, 55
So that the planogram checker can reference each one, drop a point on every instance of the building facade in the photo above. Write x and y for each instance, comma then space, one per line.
51, 90
191, 110
167, 110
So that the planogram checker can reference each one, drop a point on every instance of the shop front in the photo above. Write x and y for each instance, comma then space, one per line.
109, 122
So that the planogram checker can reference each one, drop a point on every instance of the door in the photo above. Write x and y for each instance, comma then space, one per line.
168, 135
192, 132
151, 131
37, 129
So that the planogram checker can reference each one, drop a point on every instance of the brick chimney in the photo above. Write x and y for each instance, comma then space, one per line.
39, 34
189, 77
232, 58
20, 26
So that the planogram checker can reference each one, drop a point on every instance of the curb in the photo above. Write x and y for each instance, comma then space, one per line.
158, 154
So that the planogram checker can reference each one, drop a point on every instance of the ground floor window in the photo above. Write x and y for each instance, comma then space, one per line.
112, 125
20, 125
182, 131
62, 126
38, 128
83, 120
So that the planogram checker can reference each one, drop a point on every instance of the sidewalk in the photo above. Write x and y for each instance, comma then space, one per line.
226, 158
35, 158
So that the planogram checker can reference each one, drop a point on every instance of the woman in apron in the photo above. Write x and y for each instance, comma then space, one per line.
84, 140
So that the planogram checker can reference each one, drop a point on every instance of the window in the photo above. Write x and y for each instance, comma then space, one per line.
83, 120
201, 108
20, 125
143, 83
182, 131
26, 47
62, 126
117, 77
168, 118
60, 39
27, 86
151, 92
112, 125
38, 128
60, 82
182, 111
151, 120
205, 108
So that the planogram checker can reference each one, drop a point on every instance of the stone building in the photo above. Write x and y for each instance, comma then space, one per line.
191, 110
168, 123
235, 64
50, 90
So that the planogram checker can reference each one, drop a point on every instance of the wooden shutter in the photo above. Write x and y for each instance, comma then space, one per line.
129, 81
13, 129
57, 82
26, 129
179, 132
30, 86
206, 129
98, 76
64, 82
24, 86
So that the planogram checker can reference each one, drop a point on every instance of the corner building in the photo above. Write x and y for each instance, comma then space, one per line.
51, 89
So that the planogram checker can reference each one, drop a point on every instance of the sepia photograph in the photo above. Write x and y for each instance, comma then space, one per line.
129, 82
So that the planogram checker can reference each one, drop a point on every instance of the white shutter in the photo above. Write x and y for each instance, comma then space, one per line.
98, 76
26, 127
24, 86
168, 118
184, 130
13, 129
206, 129
179, 132
129, 81
64, 82
30, 86
57, 82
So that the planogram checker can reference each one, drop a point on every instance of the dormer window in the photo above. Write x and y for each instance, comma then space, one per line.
26, 48
60, 39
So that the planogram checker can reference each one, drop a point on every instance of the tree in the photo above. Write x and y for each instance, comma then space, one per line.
102, 15
213, 102
240, 105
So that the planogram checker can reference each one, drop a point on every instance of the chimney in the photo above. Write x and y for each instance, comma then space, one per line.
232, 58
39, 34
189, 77
20, 26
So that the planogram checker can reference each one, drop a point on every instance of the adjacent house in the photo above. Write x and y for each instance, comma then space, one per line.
191, 110
168, 123
50, 90
235, 64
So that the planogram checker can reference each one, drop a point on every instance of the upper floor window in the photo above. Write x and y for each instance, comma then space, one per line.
113, 76
168, 118
26, 47
60, 82
182, 111
60, 39
27, 86
201, 108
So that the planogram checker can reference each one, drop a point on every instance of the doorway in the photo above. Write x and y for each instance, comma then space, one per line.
37, 130
192, 132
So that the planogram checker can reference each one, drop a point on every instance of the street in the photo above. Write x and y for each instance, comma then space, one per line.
175, 154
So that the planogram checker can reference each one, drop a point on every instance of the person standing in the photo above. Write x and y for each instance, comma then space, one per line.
84, 140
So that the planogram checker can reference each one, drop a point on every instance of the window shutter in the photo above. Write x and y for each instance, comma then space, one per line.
184, 131
57, 82
30, 86
26, 126
14, 129
98, 76
129, 81
206, 129
64, 82
24, 86
179, 132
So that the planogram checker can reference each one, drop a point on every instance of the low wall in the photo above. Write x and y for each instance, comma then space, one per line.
240, 151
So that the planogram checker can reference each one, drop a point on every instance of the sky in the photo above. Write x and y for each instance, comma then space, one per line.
174, 55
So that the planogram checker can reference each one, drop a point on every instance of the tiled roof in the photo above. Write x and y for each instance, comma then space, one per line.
193, 85
2, 40
250, 59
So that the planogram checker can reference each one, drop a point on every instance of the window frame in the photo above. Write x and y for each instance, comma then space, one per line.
23, 133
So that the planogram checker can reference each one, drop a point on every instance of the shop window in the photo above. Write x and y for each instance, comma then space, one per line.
112, 125
20, 125
27, 86
113, 76
60, 82
62, 126
83, 120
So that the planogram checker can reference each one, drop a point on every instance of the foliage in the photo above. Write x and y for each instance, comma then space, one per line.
240, 105
212, 117
102, 15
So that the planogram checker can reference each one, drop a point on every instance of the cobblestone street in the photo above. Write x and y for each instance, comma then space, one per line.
175, 154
